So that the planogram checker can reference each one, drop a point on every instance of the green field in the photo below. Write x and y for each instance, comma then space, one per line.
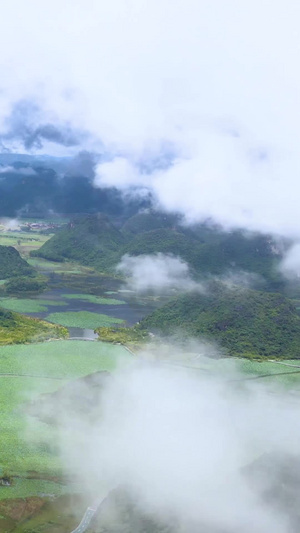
83, 319
111, 292
58, 267
281, 376
277, 374
26, 444
26, 371
24, 242
59, 359
27, 305
94, 299
23, 487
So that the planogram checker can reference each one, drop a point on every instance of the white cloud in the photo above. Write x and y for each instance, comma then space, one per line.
290, 265
10, 223
24, 171
218, 80
179, 442
118, 173
157, 273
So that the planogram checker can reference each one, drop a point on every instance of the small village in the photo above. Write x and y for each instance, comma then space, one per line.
18, 225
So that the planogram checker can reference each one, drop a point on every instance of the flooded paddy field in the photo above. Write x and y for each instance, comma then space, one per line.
63, 300
76, 295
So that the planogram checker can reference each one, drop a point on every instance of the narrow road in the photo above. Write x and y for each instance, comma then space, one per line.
259, 376
282, 363
128, 349
89, 514
86, 520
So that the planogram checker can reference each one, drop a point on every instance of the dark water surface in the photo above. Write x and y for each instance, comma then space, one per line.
132, 311
84, 334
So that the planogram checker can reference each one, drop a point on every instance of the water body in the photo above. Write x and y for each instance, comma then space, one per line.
132, 311
84, 334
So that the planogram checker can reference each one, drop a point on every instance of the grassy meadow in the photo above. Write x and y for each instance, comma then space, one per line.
60, 359
24, 242
58, 267
83, 319
27, 305
281, 375
94, 299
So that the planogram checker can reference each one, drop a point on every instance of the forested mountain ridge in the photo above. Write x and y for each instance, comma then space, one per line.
36, 188
243, 322
149, 220
166, 241
93, 240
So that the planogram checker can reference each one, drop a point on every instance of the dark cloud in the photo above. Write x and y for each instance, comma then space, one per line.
25, 124
60, 135
83, 164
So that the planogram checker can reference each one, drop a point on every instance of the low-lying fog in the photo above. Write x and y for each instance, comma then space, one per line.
180, 441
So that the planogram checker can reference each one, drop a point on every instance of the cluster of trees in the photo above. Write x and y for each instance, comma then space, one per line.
7, 319
132, 336
20, 284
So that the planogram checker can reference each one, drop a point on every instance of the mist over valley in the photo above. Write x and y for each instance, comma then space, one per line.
149, 267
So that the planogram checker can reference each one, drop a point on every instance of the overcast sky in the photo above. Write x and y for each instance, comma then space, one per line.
196, 99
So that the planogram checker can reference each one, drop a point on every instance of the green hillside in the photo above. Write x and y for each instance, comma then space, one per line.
219, 252
12, 264
243, 322
167, 241
148, 221
93, 240
254, 253
90, 240
18, 329
207, 247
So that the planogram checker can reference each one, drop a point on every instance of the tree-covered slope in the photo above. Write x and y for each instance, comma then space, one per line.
12, 264
39, 185
148, 221
18, 329
93, 240
166, 241
243, 322
212, 252
255, 253
90, 240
